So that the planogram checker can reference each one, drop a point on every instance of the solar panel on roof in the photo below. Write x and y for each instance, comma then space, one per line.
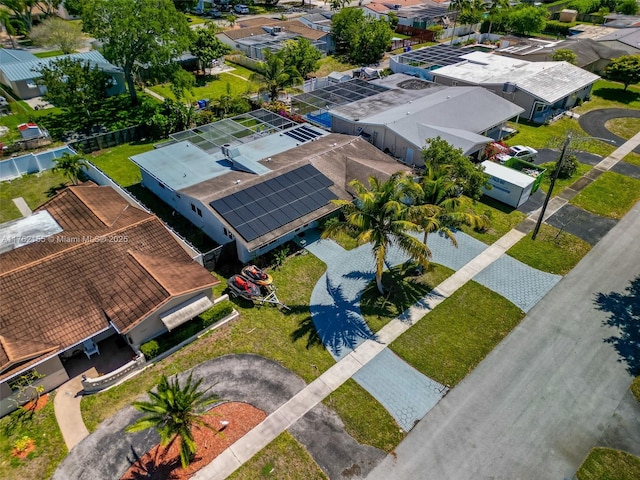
276, 202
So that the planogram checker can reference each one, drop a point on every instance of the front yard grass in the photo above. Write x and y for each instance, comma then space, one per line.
550, 252
34, 188
284, 458
451, 340
404, 286
606, 94
561, 183
213, 88
610, 195
42, 428
502, 219
632, 158
609, 464
624, 127
115, 162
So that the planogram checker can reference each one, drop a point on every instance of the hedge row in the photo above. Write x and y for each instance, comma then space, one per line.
168, 340
559, 28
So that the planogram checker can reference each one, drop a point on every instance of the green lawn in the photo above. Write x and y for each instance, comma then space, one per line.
552, 136
610, 195
34, 188
609, 464
282, 459
550, 252
404, 286
635, 388
561, 183
452, 339
41, 427
288, 338
21, 113
213, 89
115, 162
606, 94
624, 127
632, 158
330, 64
502, 219
52, 53
195, 19
240, 70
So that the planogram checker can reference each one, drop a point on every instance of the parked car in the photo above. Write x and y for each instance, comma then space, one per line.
213, 13
242, 9
518, 151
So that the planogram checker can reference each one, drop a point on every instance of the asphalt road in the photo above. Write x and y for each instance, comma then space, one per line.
547, 394
593, 122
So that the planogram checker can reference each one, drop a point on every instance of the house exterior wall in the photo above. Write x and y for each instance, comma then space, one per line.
631, 50
152, 326
54, 376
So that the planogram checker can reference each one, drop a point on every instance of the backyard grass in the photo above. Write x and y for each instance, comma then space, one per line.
34, 188
606, 94
502, 218
52, 53
195, 19
561, 183
635, 388
624, 127
552, 136
632, 158
330, 64
610, 195
368, 417
240, 70
452, 339
282, 459
404, 286
115, 162
609, 464
213, 89
550, 252
50, 449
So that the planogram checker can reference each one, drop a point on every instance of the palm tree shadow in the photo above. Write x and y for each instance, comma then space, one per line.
340, 325
624, 309
52, 191
306, 328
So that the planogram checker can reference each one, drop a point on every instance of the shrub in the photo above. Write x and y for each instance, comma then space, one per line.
558, 28
150, 349
584, 6
569, 167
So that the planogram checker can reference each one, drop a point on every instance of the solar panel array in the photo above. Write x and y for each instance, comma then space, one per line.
267, 206
335, 95
302, 134
438, 55
235, 130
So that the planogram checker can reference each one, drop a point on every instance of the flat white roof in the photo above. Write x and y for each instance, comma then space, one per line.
507, 174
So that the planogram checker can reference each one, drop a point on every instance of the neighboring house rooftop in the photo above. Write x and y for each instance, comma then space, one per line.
628, 36
111, 264
263, 29
8, 55
28, 69
548, 81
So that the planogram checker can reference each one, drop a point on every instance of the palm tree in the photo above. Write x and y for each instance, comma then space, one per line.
378, 216
71, 166
457, 6
438, 190
5, 20
496, 6
274, 75
173, 411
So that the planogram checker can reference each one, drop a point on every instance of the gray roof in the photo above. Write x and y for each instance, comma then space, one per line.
548, 81
28, 69
458, 113
8, 55
628, 36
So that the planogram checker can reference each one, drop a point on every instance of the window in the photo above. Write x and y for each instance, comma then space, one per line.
199, 212
193, 207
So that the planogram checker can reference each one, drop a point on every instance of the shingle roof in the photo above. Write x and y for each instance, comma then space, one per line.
294, 26
55, 294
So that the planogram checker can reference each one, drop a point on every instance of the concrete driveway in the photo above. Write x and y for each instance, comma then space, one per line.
549, 392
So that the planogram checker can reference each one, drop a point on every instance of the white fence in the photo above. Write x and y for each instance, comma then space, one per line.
15, 167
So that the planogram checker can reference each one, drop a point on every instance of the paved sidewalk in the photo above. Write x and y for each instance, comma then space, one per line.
66, 405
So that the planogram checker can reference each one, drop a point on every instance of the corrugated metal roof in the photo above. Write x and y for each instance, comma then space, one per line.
29, 69
9, 55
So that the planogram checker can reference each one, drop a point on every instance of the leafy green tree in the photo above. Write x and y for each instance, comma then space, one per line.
75, 85
439, 191
206, 46
380, 217
173, 410
181, 83
472, 12
22, 10
468, 177
5, 21
624, 69
527, 19
58, 33
627, 7
185, 5
73, 7
336, 4
565, 55
496, 7
71, 166
301, 55
137, 32
361, 38
457, 6
274, 75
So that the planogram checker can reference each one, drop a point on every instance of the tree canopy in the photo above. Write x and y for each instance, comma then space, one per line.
468, 177
522, 19
274, 75
135, 32
624, 69
71, 166
206, 46
361, 38
301, 55
56, 32
565, 55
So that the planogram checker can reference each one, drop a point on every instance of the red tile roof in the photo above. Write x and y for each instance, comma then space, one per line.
112, 262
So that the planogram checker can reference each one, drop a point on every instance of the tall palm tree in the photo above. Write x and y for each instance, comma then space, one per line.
440, 192
173, 410
5, 21
71, 166
457, 6
380, 217
496, 6
274, 75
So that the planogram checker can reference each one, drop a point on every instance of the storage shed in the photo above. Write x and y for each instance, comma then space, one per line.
508, 185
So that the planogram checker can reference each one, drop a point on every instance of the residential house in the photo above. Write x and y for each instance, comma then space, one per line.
402, 119
19, 70
258, 180
88, 265
625, 39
